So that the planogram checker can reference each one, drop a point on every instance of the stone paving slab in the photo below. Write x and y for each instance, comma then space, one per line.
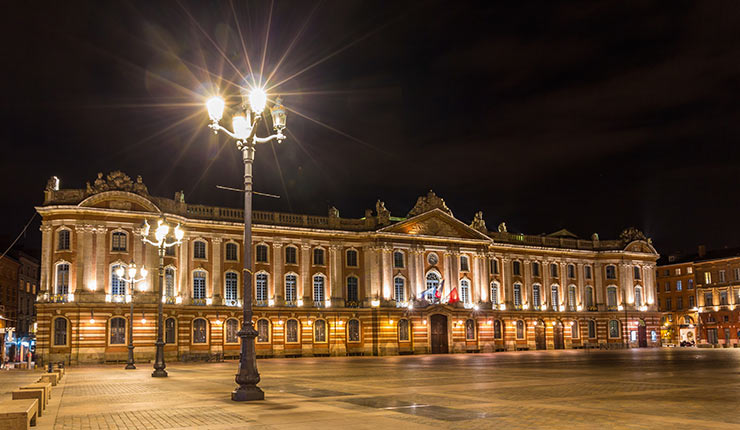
635, 389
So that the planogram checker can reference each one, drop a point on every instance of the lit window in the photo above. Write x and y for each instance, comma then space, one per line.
469, 329
432, 286
351, 258
403, 330
465, 291
199, 331
199, 249
353, 331
319, 331
291, 331
464, 263
232, 286
613, 329
199, 284
63, 240
572, 298
261, 287
263, 331
516, 268
707, 278
291, 281
318, 290
691, 284
611, 272
679, 287
117, 285
117, 331
399, 289
232, 328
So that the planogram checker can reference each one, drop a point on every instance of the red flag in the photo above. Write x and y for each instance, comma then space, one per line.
453, 296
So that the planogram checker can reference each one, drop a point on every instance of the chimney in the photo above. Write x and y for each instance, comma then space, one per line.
702, 250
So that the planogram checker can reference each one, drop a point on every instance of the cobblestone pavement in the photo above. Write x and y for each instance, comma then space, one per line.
633, 389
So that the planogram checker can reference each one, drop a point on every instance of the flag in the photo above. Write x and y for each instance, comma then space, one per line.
438, 292
453, 297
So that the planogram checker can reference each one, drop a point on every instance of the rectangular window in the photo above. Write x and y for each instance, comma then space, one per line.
637, 272
199, 249
708, 299
722, 277
318, 257
736, 272
516, 268
611, 272
291, 255
199, 285
119, 241
679, 303
291, 331
517, 296
678, 271
554, 270
261, 254
678, 285
231, 252
723, 297
691, 284
571, 271
707, 278
63, 237
691, 302
398, 260
464, 266
469, 330
668, 304
587, 269
536, 269
668, 286
575, 330
689, 270
170, 251
290, 288
351, 258
494, 266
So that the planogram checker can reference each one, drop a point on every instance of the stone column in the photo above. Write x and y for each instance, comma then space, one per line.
421, 276
367, 281
413, 278
184, 284
217, 293
101, 249
386, 267
546, 289
277, 273
599, 286
564, 283
580, 285
528, 283
446, 273
305, 280
335, 289
80, 257
47, 244
504, 294
625, 284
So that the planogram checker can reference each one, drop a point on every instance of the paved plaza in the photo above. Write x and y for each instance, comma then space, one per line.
647, 388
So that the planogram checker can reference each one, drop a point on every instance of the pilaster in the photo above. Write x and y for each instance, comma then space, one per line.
216, 292
277, 273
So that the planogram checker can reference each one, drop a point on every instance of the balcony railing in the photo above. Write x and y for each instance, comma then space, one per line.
231, 302
319, 304
199, 302
260, 303
351, 304
61, 298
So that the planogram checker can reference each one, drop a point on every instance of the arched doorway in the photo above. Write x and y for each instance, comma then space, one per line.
439, 334
641, 334
557, 335
539, 335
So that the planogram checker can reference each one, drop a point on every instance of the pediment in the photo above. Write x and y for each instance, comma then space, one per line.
640, 246
435, 223
122, 200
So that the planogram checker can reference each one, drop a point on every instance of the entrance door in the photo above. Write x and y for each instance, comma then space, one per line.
727, 336
539, 335
557, 335
439, 334
641, 334
712, 336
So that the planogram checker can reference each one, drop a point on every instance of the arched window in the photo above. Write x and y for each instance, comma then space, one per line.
351, 257
611, 297
232, 328
291, 255
432, 286
232, 251
318, 257
571, 271
494, 293
555, 298
260, 287
319, 331
353, 293
464, 263
517, 296
611, 272
353, 330
398, 260
63, 240
260, 254
199, 284
497, 329
117, 285
399, 289
637, 272
291, 331
118, 241
403, 330
613, 329
687, 320
318, 290
200, 331
536, 269
263, 331
516, 268
232, 287
591, 329
575, 330
589, 297
291, 292
536, 296
571, 298
60, 331
62, 278
554, 270
169, 330
470, 329
169, 282
117, 331
199, 249
638, 296
520, 329
465, 295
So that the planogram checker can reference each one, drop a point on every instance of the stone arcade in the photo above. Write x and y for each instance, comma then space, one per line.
327, 285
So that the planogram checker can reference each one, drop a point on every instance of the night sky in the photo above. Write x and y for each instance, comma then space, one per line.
589, 116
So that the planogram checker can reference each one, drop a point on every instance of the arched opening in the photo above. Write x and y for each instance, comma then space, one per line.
540, 338
641, 333
557, 335
439, 334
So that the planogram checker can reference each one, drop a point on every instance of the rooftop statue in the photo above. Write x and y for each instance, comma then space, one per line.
430, 202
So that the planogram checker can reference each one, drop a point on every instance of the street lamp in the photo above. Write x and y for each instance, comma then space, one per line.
160, 241
131, 280
244, 132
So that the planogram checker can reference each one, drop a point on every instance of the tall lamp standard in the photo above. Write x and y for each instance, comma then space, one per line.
245, 134
160, 241
131, 280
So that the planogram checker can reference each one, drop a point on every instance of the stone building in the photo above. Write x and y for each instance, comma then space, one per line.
28, 282
8, 302
699, 295
328, 285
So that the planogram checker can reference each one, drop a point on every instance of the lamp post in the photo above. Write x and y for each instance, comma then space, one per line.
244, 132
131, 280
160, 241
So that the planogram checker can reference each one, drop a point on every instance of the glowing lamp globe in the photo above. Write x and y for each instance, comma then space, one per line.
179, 233
120, 271
132, 271
241, 126
162, 231
215, 106
257, 100
278, 114
144, 272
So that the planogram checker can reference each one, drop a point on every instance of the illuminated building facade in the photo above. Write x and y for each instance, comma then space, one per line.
326, 285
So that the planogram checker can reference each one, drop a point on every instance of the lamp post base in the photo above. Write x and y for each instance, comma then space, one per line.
247, 393
130, 366
159, 373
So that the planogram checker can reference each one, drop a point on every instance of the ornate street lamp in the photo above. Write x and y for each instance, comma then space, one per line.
160, 241
131, 280
244, 132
